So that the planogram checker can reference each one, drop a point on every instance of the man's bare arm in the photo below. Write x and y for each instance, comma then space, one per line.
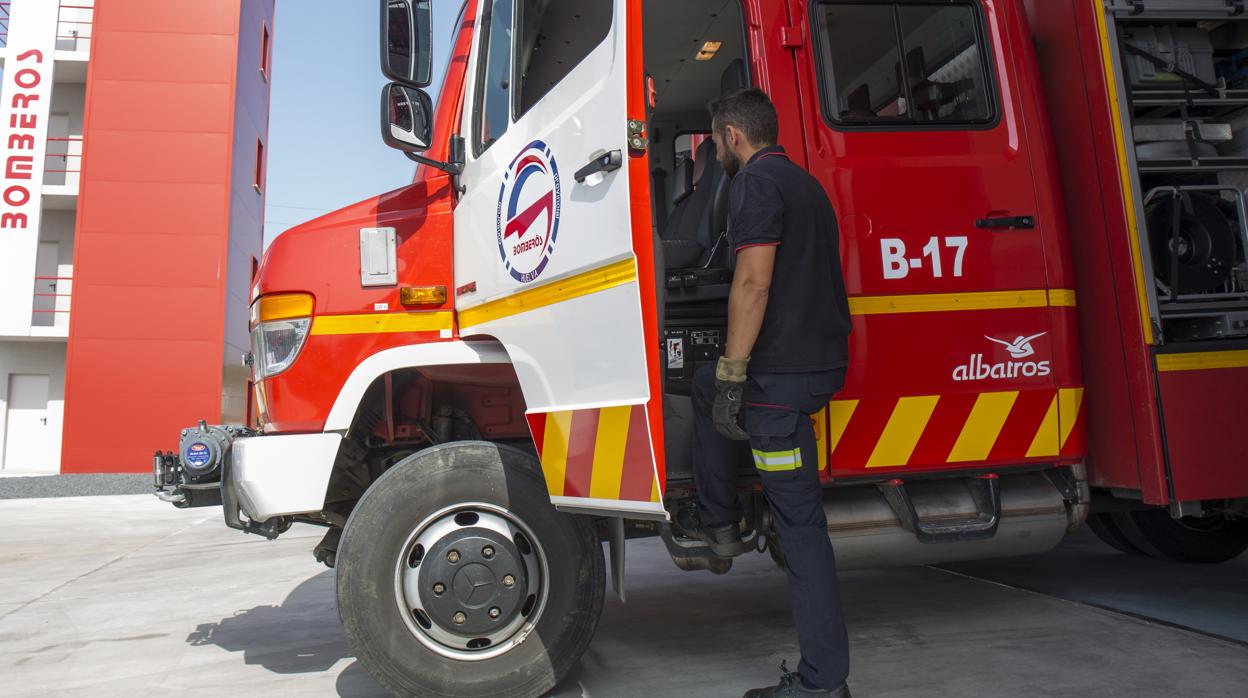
747, 302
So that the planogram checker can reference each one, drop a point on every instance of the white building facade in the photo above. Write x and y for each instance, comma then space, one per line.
45, 55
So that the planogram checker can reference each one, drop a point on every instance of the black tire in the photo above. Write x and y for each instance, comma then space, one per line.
1197, 540
1104, 527
390, 522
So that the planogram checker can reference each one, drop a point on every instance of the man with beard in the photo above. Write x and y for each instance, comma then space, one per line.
786, 355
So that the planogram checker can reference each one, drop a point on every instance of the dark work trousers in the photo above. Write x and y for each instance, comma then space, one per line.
782, 441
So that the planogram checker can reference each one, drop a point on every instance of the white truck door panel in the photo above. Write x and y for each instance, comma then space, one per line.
544, 263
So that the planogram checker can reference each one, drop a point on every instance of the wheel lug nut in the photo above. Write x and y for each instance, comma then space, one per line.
459, 618
509, 581
494, 612
488, 551
439, 588
452, 557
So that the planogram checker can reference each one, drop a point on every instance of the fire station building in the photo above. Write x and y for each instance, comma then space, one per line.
133, 136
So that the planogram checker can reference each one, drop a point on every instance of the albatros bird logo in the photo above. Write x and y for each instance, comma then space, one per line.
1020, 348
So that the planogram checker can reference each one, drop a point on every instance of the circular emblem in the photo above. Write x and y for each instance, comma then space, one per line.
198, 454
527, 218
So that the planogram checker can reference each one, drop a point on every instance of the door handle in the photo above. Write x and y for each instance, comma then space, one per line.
607, 162
1007, 223
44, 420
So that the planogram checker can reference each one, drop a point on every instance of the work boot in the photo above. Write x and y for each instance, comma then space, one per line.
724, 541
791, 686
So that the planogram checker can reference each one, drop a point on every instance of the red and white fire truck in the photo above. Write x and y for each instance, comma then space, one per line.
475, 380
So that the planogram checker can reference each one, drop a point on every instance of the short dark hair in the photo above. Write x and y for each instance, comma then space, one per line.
751, 111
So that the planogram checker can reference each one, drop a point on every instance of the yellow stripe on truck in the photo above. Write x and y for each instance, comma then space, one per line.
1199, 361
382, 323
1124, 169
555, 450
1068, 402
983, 426
600, 279
944, 302
1045, 442
609, 447
903, 430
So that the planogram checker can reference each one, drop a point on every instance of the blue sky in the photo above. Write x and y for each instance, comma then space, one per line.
325, 148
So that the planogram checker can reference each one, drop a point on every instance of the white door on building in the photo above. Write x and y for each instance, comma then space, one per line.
45, 305
29, 438
60, 158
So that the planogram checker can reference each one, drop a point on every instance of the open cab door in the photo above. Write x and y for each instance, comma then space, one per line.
546, 241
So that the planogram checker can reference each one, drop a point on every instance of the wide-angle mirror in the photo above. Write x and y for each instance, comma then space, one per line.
407, 41
406, 118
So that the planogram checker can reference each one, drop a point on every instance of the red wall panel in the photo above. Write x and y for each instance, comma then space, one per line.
166, 85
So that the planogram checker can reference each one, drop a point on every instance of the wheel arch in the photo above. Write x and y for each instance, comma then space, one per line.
414, 356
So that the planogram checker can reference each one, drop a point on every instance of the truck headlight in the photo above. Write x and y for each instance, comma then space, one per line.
280, 328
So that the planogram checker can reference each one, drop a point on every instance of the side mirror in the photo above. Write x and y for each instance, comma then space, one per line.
406, 118
407, 41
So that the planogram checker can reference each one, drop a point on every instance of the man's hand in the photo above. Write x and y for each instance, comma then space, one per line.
729, 396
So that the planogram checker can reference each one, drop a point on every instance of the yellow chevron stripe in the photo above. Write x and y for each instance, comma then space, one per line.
382, 323
555, 450
604, 482
1068, 402
1046, 440
982, 426
839, 413
1199, 361
654, 489
942, 302
593, 281
903, 430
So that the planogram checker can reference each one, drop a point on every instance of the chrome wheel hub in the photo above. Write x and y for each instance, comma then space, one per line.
471, 581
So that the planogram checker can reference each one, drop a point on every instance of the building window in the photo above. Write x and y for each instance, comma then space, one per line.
898, 64
264, 52
258, 184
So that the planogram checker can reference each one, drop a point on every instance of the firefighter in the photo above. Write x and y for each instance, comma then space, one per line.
786, 355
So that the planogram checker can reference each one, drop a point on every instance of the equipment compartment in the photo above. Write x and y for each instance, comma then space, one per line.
1185, 79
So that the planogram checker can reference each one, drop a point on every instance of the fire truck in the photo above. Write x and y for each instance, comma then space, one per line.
475, 381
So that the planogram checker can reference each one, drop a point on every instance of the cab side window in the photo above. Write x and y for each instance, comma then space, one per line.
554, 37
493, 75
898, 64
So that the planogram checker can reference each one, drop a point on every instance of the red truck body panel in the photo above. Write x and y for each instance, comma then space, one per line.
1051, 153
1166, 435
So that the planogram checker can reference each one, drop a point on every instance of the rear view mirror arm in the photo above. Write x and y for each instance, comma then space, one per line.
452, 168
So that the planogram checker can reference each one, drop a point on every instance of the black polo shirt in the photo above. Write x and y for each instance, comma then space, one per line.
806, 327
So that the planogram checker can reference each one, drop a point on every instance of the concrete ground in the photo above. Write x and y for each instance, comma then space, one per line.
124, 595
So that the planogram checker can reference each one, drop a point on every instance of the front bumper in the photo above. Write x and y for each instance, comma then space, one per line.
262, 478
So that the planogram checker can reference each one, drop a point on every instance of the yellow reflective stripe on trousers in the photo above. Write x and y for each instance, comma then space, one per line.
778, 461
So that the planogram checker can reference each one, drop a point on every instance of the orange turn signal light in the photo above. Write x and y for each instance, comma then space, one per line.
281, 306
422, 295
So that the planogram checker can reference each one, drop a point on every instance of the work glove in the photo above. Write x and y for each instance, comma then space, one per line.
729, 396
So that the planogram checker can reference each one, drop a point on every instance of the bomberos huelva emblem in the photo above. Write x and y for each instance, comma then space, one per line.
527, 218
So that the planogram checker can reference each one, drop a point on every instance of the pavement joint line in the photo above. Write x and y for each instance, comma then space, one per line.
88, 573
1138, 617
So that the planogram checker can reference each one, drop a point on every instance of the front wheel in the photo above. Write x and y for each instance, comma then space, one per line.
456, 576
1213, 538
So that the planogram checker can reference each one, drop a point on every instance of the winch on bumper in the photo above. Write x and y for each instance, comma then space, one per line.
260, 481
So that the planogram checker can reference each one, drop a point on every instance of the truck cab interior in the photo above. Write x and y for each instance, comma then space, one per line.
694, 53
